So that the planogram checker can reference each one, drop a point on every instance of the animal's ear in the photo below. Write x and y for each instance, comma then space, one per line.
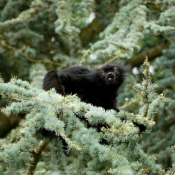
51, 80
122, 72
124, 69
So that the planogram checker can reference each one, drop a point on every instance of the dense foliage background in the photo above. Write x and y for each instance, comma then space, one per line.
39, 35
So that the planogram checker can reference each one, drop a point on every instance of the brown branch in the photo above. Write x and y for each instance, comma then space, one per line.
36, 156
173, 172
25, 57
90, 33
152, 5
7, 123
151, 54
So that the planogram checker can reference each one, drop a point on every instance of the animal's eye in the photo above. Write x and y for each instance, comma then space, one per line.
102, 72
115, 69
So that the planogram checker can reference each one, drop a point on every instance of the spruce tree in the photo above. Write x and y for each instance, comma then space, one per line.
37, 36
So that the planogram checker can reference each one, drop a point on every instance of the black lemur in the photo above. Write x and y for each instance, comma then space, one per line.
97, 86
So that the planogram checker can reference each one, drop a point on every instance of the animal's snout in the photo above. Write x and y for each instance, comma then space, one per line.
110, 74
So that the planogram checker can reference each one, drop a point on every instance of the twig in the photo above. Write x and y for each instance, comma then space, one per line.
152, 54
36, 156
129, 103
4, 44
114, 58
173, 172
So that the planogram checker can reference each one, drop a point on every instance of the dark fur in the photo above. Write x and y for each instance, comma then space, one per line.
51, 80
97, 86
94, 86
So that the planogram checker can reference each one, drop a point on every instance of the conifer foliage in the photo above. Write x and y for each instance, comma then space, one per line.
60, 135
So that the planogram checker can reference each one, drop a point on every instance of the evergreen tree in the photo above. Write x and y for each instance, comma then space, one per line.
36, 36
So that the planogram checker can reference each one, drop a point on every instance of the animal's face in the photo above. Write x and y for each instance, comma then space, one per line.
112, 74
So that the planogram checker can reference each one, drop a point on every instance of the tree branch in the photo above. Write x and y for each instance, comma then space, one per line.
151, 54
36, 155
25, 57
172, 173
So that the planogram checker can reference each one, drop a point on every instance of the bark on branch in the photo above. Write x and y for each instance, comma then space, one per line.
36, 155
151, 54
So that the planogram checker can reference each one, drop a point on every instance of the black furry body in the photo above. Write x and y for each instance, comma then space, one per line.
51, 80
98, 86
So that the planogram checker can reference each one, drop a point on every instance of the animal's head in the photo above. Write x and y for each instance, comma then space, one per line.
112, 74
